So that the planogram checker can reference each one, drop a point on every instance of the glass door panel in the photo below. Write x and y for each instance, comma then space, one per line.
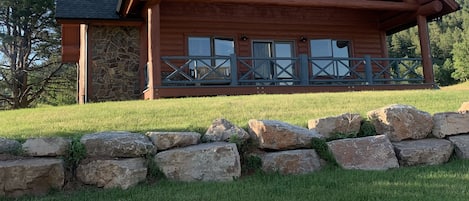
284, 67
263, 67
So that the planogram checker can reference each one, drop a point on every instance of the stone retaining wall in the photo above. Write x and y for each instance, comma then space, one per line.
405, 136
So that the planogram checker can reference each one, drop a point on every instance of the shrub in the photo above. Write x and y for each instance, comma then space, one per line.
323, 151
154, 173
366, 129
75, 154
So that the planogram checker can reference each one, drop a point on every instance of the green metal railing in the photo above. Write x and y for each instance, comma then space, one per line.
301, 70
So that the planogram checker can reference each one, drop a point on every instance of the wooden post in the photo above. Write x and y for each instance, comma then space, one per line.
368, 70
154, 54
425, 49
304, 70
234, 70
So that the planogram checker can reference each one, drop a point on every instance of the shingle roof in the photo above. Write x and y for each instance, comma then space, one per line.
86, 9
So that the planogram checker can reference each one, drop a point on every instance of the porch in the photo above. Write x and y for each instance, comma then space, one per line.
235, 75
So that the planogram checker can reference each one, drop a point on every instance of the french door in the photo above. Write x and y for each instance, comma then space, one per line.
267, 68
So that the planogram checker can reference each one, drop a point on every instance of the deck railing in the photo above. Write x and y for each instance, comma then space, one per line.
301, 70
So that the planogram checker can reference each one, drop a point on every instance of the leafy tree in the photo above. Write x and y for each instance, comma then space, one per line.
29, 46
446, 41
461, 59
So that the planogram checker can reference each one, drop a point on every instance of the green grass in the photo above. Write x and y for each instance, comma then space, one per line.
461, 86
196, 114
433, 183
445, 182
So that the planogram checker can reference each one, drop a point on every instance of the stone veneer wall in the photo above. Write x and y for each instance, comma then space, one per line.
115, 63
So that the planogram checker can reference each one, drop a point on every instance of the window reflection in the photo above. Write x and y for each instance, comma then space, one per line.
332, 57
210, 47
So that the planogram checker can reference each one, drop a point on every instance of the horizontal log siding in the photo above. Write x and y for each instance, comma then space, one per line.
178, 21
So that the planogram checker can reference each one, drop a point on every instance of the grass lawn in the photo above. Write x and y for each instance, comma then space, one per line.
446, 182
196, 114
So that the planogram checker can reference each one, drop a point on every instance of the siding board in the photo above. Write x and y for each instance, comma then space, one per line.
178, 21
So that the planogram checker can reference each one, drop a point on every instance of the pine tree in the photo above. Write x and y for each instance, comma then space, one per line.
30, 46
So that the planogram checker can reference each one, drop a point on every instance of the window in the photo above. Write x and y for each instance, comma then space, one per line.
210, 47
280, 68
331, 57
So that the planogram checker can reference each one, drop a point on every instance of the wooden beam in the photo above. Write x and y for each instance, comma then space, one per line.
430, 8
361, 4
129, 4
425, 49
425, 10
154, 54
152, 2
247, 90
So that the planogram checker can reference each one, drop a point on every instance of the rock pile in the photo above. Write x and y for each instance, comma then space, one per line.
405, 136
114, 159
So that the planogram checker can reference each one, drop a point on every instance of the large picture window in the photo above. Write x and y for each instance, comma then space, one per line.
210, 47
331, 57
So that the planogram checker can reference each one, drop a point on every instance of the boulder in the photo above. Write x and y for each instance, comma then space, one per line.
400, 122
461, 145
218, 161
278, 135
450, 123
346, 124
167, 140
464, 108
423, 152
8, 146
30, 176
291, 162
53, 146
367, 153
117, 144
223, 130
112, 173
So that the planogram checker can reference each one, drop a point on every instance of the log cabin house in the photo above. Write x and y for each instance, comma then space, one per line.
148, 49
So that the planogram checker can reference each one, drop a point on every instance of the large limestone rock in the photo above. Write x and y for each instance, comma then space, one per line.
367, 153
167, 140
218, 161
117, 144
291, 162
400, 122
8, 146
345, 124
281, 136
423, 152
56, 146
113, 173
30, 176
461, 144
464, 108
223, 130
450, 123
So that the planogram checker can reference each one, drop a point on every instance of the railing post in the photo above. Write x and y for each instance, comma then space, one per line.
304, 69
368, 70
234, 69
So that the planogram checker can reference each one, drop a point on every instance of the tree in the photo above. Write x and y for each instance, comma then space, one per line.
461, 59
30, 48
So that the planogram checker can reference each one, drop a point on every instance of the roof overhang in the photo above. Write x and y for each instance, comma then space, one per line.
396, 15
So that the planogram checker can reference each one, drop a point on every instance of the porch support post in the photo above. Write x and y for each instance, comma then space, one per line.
425, 49
234, 70
154, 54
368, 70
304, 69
